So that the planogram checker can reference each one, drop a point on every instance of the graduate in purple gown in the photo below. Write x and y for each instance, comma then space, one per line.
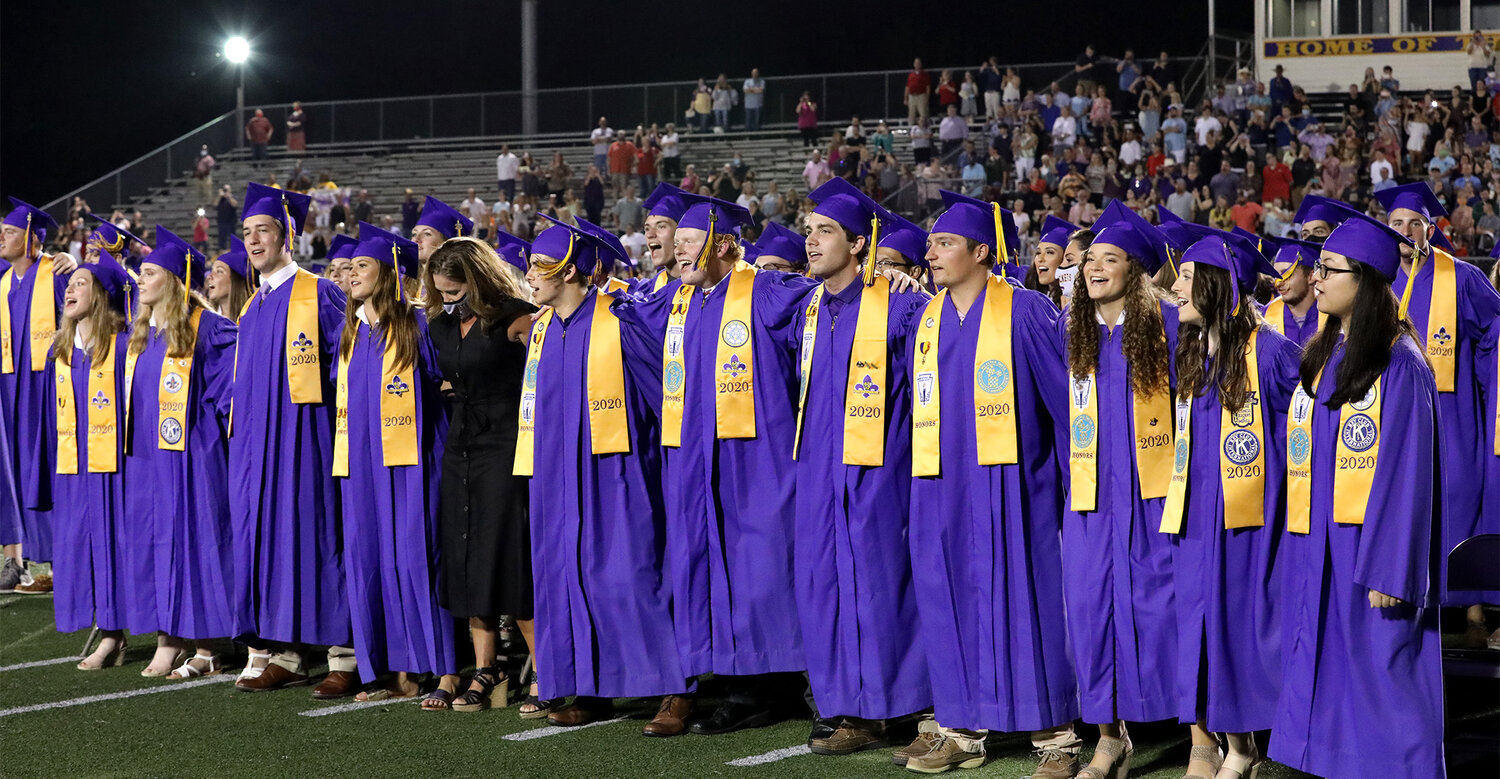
1454, 309
226, 285
438, 222
84, 416
664, 209
1294, 312
853, 481
780, 248
1361, 689
283, 500
728, 422
589, 443
1117, 567
1051, 248
180, 370
989, 384
1225, 505
31, 292
903, 247
389, 450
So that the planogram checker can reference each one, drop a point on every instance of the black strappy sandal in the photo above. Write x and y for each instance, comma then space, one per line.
494, 690
540, 708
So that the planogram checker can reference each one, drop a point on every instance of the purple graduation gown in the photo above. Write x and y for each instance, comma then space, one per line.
1227, 581
603, 605
1117, 565
1361, 690
854, 582
28, 442
730, 511
89, 577
1299, 334
986, 539
283, 501
390, 521
179, 554
1461, 413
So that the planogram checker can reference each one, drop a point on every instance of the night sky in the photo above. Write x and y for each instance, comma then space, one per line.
88, 86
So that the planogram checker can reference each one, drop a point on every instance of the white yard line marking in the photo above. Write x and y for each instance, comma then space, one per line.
8, 601
772, 756
41, 631
40, 663
343, 707
115, 695
552, 730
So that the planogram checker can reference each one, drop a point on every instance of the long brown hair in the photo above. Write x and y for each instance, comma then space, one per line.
239, 292
474, 263
396, 321
105, 322
1374, 327
1213, 298
174, 317
1144, 341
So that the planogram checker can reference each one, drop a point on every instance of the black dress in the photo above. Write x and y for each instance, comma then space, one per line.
485, 527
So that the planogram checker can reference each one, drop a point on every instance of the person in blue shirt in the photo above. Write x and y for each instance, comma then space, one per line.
1281, 90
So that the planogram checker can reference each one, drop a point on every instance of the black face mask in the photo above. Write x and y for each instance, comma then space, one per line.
459, 308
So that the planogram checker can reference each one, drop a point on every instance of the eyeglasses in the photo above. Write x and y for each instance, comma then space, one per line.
1321, 271
891, 265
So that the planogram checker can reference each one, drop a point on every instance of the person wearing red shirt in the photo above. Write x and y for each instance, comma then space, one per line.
918, 88
1276, 180
1157, 159
622, 162
646, 169
947, 91
1247, 213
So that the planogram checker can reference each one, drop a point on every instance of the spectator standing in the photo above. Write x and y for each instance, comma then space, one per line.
559, 175
671, 155
1129, 73
973, 178
601, 137
1024, 149
1317, 139
881, 141
200, 231
915, 94
755, 99
968, 94
952, 131
1276, 180
816, 171
634, 243
807, 119
475, 208
1174, 134
628, 210
1161, 75
1083, 67
703, 105
947, 91
991, 85
1101, 115
1280, 90
1382, 175
228, 216
621, 156
258, 132
411, 209
921, 141
772, 204
690, 181
296, 128
1064, 131
1481, 57
593, 195
725, 99
364, 210
1247, 213
1181, 202
1225, 184
1206, 123
507, 166
645, 169
203, 176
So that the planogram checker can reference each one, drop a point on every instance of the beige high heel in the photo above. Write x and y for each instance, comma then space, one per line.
1240, 767
177, 659
1118, 750
114, 659
1210, 755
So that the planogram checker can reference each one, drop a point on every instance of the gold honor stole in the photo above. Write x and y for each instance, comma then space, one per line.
674, 369
609, 426
994, 389
1354, 466
1275, 316
734, 374
1442, 317
1153, 450
1242, 458
43, 316
398, 414
303, 363
662, 280
102, 435
171, 395
616, 285
864, 393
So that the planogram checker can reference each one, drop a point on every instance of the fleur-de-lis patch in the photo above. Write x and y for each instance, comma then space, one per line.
303, 343
397, 387
867, 387
99, 400
1442, 336
734, 367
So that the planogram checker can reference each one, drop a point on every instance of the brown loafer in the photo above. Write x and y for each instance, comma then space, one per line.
337, 684
273, 678
671, 718
847, 739
1055, 764
919, 746
582, 711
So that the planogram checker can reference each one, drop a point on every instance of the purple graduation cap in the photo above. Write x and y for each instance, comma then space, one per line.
906, 238
1123, 228
844, 203
778, 240
715, 217
1316, 208
288, 208
752, 252
444, 218
387, 248
1370, 242
115, 280
985, 222
177, 257
512, 249
1056, 231
342, 247
1179, 232
237, 258
611, 251
668, 201
566, 243
1234, 253
33, 220
1296, 252
1416, 196
110, 238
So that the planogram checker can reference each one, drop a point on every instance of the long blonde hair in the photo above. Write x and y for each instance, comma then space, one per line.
174, 317
105, 322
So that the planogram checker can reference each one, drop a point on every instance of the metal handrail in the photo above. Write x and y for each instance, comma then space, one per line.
138, 160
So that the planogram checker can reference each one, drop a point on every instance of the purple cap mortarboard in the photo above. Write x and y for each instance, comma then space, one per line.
1234, 253
727, 217
611, 251
668, 201
177, 257
1316, 208
512, 249
1370, 242
237, 258
908, 239
1056, 231
31, 219
977, 219
113, 277
444, 218
844, 203
288, 208
566, 243
1179, 232
1416, 196
778, 240
342, 247
111, 238
1291, 250
387, 248
1123, 228
752, 252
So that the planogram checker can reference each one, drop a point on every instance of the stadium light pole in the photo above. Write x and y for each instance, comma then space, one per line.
237, 51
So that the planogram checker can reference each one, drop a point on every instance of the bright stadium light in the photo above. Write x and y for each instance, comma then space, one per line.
237, 50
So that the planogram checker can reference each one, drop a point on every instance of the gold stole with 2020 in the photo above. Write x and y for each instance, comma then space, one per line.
398, 413
734, 371
1441, 341
864, 390
1355, 457
43, 316
103, 432
171, 394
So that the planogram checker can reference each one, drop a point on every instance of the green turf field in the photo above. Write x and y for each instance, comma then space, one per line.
197, 729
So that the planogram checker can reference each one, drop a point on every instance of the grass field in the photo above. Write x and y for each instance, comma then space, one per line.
204, 728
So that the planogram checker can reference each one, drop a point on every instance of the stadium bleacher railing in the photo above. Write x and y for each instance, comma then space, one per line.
570, 111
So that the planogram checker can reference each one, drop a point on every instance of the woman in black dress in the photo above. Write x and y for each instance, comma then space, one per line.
479, 319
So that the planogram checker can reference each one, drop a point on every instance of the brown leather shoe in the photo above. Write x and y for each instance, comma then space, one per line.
1055, 764
582, 711
671, 718
337, 684
919, 746
849, 738
946, 754
273, 678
